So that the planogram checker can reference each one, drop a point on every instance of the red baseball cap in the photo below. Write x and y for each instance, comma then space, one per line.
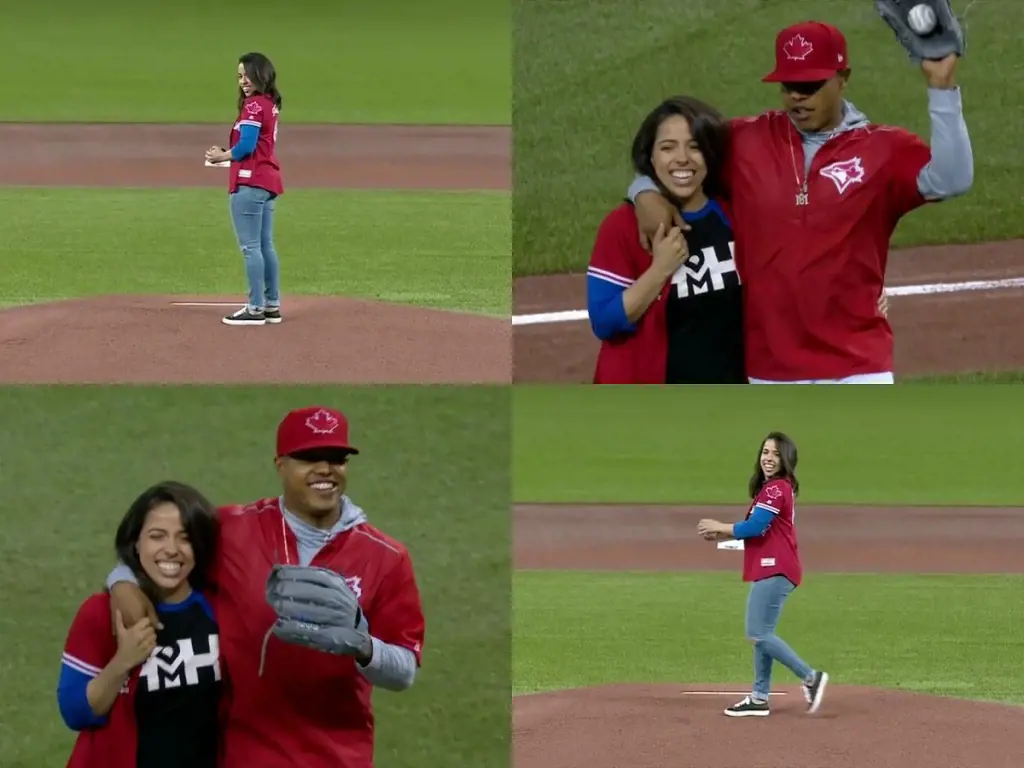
808, 51
311, 428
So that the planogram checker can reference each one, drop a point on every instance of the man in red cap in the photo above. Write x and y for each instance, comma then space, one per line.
299, 686
816, 191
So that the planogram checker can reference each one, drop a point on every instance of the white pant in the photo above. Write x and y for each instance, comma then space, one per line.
859, 378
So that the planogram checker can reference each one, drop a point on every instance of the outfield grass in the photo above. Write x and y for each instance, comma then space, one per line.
442, 249
572, 629
948, 445
587, 71
433, 472
388, 61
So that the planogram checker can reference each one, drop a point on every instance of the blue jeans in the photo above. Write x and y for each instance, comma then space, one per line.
764, 604
252, 216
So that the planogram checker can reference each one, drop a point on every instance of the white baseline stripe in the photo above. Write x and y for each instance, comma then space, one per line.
576, 315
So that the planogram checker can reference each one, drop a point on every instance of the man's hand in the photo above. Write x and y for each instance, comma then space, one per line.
133, 605
941, 73
653, 210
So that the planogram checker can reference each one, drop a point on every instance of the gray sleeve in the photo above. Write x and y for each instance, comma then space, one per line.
121, 572
391, 667
950, 172
641, 184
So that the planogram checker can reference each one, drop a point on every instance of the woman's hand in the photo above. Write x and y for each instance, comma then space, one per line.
710, 529
669, 250
217, 155
134, 643
654, 210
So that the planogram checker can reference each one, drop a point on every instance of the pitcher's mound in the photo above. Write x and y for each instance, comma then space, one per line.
181, 340
670, 726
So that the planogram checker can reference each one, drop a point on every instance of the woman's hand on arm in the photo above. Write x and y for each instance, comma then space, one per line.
670, 251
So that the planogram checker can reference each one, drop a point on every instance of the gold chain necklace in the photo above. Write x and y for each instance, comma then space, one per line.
802, 197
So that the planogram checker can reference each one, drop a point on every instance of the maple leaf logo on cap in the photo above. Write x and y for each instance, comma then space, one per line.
322, 422
797, 48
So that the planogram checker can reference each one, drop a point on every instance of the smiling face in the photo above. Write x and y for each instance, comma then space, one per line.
314, 482
244, 82
771, 461
165, 551
816, 106
678, 161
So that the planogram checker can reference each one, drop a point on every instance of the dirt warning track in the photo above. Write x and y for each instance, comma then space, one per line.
134, 339
680, 724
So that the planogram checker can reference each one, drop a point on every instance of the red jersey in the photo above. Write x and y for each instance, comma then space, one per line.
639, 357
260, 169
775, 552
814, 272
291, 705
179, 674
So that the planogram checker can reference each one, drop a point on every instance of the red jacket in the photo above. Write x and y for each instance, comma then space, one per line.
304, 708
260, 169
814, 273
775, 552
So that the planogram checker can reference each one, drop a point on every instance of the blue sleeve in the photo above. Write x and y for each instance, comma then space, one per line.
247, 136
755, 525
951, 170
605, 308
641, 184
73, 701
121, 572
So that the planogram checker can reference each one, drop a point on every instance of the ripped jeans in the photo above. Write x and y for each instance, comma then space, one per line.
252, 216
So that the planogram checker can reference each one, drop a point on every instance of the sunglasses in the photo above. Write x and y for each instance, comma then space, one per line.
329, 455
804, 89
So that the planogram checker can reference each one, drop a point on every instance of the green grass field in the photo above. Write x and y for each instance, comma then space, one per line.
586, 72
433, 472
64, 242
908, 445
390, 61
869, 445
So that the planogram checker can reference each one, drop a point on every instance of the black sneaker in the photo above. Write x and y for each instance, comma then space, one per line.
749, 708
815, 692
245, 317
273, 314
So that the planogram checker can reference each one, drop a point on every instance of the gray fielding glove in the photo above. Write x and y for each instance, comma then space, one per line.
317, 609
947, 37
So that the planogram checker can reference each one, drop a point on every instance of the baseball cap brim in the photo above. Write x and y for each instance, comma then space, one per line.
321, 445
799, 76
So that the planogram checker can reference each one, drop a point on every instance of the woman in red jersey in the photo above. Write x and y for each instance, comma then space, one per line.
148, 696
254, 184
771, 562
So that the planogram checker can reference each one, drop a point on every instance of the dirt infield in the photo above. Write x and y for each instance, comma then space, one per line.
148, 339
681, 725
942, 333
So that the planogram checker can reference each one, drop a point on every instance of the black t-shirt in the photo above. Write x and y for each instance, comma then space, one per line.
176, 702
705, 307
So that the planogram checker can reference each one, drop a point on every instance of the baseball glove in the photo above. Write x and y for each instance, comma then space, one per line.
947, 37
317, 609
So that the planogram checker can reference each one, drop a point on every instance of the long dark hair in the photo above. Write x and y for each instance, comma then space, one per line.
261, 73
708, 128
787, 458
198, 518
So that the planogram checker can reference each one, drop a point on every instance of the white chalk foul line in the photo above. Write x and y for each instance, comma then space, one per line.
578, 315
